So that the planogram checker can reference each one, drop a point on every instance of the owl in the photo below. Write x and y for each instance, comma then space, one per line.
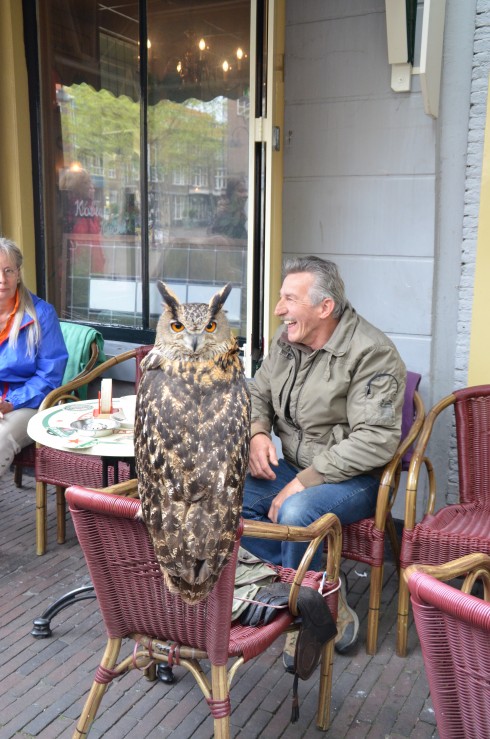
192, 430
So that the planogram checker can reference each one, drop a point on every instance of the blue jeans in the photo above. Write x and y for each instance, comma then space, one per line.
350, 500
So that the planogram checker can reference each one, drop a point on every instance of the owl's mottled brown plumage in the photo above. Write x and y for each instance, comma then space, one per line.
192, 431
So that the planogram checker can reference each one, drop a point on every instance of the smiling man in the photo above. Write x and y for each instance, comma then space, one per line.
331, 388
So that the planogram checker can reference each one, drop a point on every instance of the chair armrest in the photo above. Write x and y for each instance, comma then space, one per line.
327, 526
473, 566
84, 378
129, 488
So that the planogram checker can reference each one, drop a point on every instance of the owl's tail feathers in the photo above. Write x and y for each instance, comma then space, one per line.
196, 583
190, 594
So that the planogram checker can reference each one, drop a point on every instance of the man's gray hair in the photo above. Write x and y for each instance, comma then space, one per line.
328, 282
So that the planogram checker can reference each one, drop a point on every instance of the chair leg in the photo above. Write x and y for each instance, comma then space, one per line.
394, 541
402, 624
325, 687
41, 517
220, 691
374, 605
60, 514
18, 475
97, 690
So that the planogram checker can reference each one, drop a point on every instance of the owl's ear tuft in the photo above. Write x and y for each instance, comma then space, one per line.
218, 300
169, 297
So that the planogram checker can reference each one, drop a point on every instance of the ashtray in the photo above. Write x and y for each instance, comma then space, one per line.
95, 427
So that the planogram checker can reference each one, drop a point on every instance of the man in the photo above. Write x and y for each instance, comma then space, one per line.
331, 388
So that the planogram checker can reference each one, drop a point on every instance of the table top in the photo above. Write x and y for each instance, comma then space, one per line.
52, 427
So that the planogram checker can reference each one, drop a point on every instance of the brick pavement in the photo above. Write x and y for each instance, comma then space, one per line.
43, 681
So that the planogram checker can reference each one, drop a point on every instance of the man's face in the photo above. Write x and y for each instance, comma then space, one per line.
305, 322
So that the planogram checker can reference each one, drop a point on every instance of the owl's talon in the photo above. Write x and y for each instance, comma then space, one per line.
139, 514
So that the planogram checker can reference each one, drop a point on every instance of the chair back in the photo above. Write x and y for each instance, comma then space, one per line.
472, 413
408, 413
130, 588
141, 352
85, 346
454, 632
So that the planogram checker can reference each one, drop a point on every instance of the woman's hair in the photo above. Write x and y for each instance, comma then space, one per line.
12, 252
328, 282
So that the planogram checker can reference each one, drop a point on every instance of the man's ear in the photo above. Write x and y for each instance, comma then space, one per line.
327, 307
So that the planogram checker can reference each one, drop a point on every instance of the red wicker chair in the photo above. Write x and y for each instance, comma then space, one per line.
459, 529
454, 631
135, 604
62, 469
364, 541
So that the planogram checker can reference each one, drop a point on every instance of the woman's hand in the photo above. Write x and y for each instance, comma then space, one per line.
5, 407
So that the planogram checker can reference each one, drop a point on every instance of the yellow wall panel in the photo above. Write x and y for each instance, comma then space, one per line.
16, 197
479, 362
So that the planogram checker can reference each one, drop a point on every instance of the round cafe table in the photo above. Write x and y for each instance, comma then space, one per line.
54, 427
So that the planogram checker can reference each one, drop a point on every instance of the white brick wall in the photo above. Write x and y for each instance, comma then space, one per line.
476, 131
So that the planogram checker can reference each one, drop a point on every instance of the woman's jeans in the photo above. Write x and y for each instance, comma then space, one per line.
350, 500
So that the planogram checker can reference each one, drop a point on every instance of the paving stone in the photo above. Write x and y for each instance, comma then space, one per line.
44, 682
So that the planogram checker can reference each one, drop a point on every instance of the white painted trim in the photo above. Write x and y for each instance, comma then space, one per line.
431, 54
396, 31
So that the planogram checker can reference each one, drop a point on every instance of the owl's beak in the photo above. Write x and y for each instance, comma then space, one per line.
192, 342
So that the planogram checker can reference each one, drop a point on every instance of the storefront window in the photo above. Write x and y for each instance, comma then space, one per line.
145, 137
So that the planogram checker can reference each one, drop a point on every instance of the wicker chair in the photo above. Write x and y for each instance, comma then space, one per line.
364, 541
136, 604
454, 631
27, 456
459, 529
61, 468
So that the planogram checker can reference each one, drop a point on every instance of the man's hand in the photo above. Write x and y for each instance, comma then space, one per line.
290, 489
5, 407
262, 455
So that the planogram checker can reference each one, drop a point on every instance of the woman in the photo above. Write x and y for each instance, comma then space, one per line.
32, 354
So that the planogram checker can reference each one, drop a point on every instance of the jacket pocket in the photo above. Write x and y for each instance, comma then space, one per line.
380, 398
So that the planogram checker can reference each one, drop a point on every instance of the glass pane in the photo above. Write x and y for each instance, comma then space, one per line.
195, 124
198, 129
90, 71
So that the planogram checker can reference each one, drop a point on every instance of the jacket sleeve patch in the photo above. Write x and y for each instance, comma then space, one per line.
381, 392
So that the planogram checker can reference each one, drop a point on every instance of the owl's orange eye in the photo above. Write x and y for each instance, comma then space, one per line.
177, 326
211, 327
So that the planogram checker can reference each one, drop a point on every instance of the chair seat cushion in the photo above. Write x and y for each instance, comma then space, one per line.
452, 532
249, 641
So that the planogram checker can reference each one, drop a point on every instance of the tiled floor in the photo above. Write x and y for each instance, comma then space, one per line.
43, 681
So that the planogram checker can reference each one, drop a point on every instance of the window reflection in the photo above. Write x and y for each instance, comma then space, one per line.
195, 141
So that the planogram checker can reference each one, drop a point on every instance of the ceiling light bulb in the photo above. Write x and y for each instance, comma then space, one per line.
226, 66
202, 44
239, 53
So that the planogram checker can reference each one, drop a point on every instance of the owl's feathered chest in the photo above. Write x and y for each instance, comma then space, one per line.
191, 418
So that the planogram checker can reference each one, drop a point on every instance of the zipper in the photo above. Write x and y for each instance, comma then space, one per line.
300, 431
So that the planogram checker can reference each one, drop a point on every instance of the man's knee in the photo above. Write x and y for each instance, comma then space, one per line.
293, 513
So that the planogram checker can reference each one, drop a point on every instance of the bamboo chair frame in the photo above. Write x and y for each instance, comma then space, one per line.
364, 540
245, 642
446, 545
